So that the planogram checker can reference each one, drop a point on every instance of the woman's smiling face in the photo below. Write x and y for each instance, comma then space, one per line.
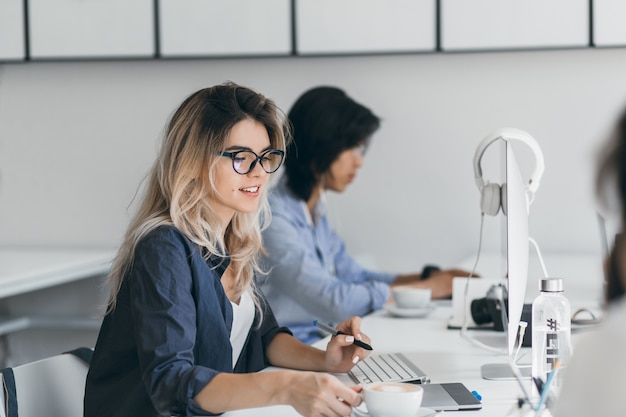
237, 192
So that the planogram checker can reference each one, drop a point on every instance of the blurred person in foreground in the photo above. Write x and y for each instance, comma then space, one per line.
594, 381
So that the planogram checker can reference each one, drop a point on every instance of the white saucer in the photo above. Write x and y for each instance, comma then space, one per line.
423, 412
396, 311
426, 412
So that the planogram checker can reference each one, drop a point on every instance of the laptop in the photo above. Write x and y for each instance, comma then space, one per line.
398, 367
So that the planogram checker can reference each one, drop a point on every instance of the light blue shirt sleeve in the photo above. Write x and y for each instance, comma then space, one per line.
312, 276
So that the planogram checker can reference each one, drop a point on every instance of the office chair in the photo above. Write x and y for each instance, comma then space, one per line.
52, 386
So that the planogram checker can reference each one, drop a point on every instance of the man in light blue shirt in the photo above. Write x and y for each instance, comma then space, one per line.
311, 275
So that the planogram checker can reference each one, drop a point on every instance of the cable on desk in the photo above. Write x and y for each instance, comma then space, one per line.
543, 265
465, 325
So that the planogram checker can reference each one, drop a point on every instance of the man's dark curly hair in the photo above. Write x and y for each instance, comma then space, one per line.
325, 122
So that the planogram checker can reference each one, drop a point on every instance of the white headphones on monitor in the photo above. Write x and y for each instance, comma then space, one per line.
491, 193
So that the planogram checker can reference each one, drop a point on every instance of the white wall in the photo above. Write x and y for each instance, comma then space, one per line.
76, 138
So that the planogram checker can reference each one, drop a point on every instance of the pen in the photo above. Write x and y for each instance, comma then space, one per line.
335, 332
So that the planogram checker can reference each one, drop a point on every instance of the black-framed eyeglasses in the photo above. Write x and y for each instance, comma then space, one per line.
245, 161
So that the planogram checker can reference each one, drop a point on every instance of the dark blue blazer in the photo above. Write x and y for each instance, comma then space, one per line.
169, 333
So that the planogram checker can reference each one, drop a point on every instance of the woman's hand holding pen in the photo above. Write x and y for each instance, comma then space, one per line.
341, 353
316, 394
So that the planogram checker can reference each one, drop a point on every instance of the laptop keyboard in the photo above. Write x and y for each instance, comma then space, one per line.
386, 367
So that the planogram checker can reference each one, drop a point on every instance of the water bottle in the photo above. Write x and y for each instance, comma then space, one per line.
551, 341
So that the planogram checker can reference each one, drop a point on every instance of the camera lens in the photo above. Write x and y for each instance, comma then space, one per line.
481, 313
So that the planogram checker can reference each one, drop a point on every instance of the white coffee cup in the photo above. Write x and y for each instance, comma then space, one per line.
391, 399
411, 297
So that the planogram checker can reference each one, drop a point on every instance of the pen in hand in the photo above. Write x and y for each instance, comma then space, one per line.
335, 332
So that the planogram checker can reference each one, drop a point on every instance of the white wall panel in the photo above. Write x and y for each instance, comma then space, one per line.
609, 28
225, 27
12, 30
91, 28
364, 26
513, 24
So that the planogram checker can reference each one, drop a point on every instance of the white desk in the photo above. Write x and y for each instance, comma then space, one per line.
25, 269
446, 357
449, 358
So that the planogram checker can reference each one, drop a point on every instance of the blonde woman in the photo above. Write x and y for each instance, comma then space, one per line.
185, 331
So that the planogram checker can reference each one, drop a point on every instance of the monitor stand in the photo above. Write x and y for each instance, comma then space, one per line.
503, 372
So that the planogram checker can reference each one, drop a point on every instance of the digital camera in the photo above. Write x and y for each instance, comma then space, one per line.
492, 308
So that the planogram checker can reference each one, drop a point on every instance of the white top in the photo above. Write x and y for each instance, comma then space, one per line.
243, 316
594, 382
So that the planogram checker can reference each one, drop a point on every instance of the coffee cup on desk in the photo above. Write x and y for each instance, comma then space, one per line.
411, 297
391, 399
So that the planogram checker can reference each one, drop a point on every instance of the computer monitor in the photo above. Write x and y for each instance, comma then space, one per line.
516, 245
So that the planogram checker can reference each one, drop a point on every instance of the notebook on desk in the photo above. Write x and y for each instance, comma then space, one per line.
402, 367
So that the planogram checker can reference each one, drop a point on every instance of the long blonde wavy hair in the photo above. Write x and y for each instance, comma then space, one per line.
181, 183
